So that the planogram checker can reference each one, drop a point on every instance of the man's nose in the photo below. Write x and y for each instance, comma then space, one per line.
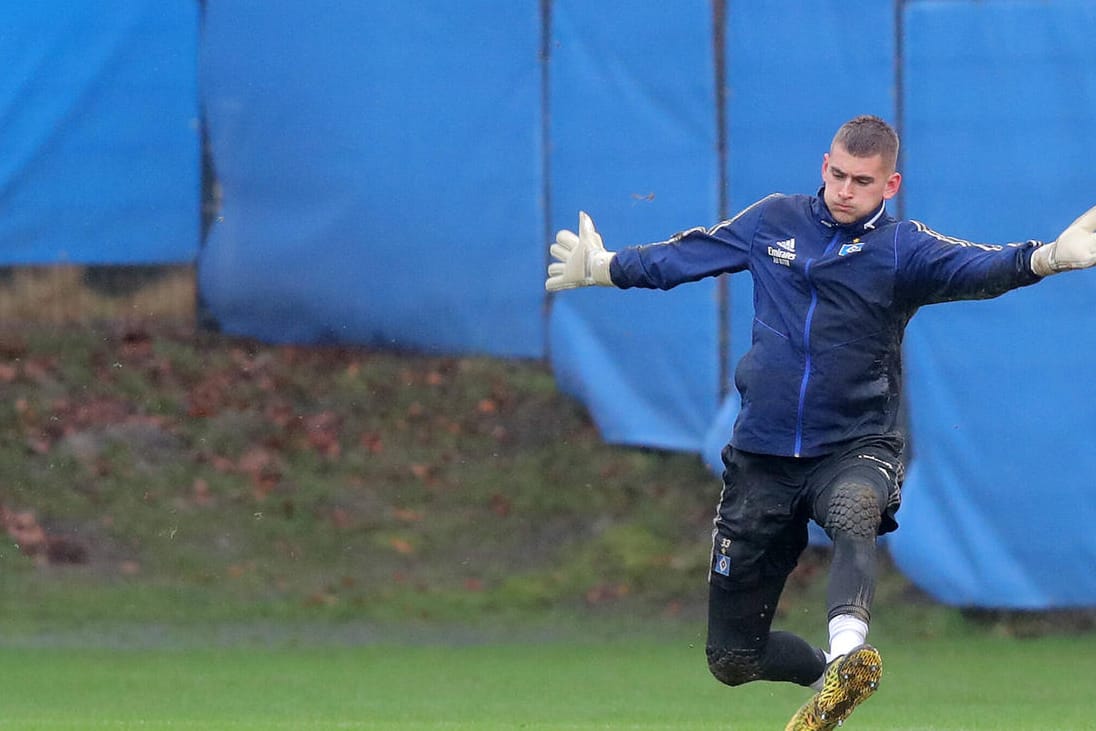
846, 189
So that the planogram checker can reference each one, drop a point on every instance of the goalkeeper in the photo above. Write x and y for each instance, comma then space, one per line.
836, 280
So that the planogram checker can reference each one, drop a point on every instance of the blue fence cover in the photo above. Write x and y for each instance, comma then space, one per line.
1001, 124
99, 117
381, 168
391, 174
640, 157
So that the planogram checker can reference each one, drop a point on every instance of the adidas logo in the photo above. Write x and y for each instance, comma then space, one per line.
788, 245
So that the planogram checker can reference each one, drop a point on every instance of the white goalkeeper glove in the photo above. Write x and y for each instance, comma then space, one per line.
1074, 249
581, 260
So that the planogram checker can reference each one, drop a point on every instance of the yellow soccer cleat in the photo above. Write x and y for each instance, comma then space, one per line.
847, 683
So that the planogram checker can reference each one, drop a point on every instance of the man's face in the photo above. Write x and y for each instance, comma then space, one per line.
855, 186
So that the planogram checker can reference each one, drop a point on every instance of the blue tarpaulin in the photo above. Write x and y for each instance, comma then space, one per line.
381, 169
391, 175
1001, 124
641, 158
99, 117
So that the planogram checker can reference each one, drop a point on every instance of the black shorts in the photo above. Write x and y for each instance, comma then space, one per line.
761, 522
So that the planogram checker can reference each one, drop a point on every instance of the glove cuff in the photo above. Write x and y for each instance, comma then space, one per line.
599, 262
1043, 261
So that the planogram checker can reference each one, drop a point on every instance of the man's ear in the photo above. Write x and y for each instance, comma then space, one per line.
894, 182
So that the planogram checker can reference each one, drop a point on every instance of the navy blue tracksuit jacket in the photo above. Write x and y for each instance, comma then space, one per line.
831, 304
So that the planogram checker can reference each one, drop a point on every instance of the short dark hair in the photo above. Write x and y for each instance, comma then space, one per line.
869, 135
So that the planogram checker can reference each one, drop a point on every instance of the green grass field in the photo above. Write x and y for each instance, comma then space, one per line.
982, 683
206, 533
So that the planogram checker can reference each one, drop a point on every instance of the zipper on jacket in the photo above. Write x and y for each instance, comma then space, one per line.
807, 347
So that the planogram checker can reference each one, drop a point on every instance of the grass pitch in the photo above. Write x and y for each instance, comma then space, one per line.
961, 685
207, 493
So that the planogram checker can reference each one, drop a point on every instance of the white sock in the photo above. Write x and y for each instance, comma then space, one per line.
846, 632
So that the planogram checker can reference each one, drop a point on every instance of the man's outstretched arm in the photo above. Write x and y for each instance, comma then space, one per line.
581, 259
1075, 248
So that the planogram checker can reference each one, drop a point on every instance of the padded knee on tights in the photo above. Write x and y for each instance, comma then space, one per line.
854, 510
734, 667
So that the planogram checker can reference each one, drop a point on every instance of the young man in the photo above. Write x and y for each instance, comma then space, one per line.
836, 280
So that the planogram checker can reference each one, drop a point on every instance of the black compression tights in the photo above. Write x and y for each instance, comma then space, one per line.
740, 645
852, 577
852, 520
